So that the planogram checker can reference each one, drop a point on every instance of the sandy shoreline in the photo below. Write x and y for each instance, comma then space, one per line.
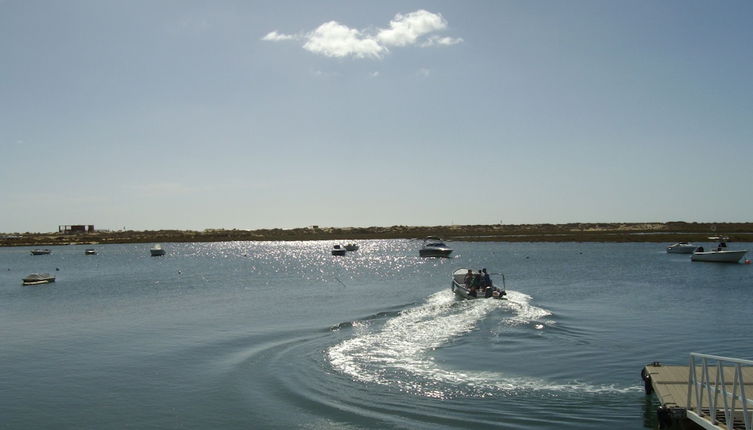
575, 232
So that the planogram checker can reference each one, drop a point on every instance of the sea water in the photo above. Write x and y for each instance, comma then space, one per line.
269, 335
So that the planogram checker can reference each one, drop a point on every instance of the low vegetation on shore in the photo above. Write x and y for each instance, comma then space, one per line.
574, 232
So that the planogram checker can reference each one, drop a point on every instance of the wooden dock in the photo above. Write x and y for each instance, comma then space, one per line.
671, 385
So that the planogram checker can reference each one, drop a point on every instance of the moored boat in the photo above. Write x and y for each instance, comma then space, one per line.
157, 250
338, 250
38, 279
90, 251
681, 248
351, 247
719, 255
434, 247
40, 251
459, 287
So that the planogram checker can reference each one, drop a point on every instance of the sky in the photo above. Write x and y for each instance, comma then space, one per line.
242, 114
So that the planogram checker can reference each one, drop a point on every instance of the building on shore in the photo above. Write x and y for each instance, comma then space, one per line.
76, 229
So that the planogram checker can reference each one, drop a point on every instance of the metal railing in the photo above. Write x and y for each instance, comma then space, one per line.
727, 400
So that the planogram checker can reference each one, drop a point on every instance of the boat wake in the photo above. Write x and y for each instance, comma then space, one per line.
400, 353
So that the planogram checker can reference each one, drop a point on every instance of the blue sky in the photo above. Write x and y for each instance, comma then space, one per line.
245, 114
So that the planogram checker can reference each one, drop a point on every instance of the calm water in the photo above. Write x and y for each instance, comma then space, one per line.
283, 335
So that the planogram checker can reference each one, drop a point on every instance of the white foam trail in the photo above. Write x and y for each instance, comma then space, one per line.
524, 311
399, 353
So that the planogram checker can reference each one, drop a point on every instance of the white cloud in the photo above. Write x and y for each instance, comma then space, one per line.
443, 41
274, 36
406, 29
333, 39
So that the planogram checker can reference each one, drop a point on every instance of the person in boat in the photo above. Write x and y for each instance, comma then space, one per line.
476, 284
484, 285
468, 280
481, 281
487, 279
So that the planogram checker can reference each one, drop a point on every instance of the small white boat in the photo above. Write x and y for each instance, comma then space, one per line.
681, 248
434, 247
90, 251
351, 247
40, 251
38, 279
338, 250
719, 255
157, 250
458, 286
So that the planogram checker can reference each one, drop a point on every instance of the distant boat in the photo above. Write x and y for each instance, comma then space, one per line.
351, 247
90, 251
719, 255
40, 251
157, 250
338, 250
681, 248
434, 247
38, 279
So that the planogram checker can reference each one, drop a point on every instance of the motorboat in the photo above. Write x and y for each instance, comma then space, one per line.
38, 279
434, 247
40, 251
338, 250
90, 251
157, 250
681, 248
351, 247
457, 285
719, 255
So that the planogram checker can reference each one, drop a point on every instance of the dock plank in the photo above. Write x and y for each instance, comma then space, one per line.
670, 384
